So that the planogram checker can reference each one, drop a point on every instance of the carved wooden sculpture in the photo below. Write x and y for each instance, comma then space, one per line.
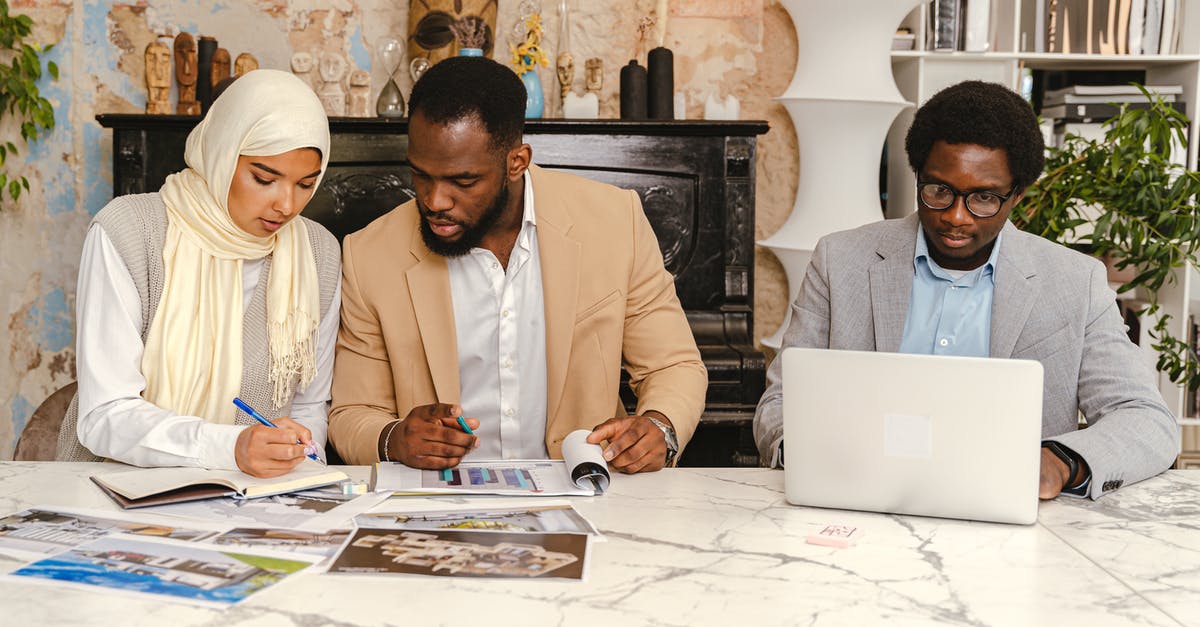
158, 78
185, 74
594, 75
332, 68
245, 62
360, 94
302, 66
565, 68
221, 66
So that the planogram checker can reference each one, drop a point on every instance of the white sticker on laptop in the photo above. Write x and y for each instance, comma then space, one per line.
907, 436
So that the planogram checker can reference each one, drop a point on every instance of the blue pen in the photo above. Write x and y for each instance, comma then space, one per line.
462, 422
259, 417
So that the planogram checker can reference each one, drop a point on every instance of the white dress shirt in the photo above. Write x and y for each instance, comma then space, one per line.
114, 420
500, 322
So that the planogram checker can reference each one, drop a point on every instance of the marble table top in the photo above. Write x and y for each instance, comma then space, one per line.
720, 546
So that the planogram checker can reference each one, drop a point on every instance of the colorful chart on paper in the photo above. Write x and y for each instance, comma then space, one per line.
526, 477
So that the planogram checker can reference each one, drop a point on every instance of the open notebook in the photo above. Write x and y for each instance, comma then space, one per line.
157, 486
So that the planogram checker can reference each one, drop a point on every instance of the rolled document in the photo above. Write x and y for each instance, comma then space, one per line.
585, 461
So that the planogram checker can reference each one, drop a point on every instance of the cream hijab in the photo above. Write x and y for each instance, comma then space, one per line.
193, 357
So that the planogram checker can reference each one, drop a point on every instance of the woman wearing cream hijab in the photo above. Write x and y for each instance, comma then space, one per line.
211, 289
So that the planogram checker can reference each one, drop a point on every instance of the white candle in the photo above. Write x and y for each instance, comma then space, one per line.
585, 107
714, 109
660, 24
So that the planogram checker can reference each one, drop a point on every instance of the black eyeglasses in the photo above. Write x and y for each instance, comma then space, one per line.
939, 197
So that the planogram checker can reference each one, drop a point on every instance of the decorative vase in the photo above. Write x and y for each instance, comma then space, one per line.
534, 99
470, 52
823, 105
633, 91
660, 84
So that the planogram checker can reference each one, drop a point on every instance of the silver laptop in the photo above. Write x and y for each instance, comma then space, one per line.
954, 437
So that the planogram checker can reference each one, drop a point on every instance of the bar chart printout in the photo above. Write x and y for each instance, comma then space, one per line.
497, 476
581, 472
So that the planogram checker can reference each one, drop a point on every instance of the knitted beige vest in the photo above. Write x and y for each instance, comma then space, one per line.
137, 227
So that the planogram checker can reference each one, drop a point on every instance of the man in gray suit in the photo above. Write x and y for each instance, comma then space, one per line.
958, 278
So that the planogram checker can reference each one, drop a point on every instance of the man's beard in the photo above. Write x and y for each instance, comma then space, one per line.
472, 234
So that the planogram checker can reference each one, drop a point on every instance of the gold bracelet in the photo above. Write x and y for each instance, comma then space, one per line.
387, 438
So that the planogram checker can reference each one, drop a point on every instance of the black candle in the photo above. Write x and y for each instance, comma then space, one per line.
661, 92
633, 91
204, 56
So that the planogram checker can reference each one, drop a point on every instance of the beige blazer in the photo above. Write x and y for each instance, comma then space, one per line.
609, 302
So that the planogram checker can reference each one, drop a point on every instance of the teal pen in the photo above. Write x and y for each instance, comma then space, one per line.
462, 422
259, 417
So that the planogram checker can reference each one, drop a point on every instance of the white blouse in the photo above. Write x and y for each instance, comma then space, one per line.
114, 420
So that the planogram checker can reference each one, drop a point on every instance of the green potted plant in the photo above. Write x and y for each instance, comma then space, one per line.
1124, 199
20, 69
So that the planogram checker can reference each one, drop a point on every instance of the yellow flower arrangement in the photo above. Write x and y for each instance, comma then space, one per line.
529, 53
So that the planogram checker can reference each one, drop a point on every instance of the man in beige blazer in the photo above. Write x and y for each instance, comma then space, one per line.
507, 294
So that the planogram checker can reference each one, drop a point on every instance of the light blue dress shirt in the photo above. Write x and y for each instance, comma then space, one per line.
949, 313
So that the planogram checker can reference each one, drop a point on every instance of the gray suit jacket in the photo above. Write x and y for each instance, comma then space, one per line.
1050, 303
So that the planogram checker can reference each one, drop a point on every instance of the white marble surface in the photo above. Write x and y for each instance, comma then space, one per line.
721, 547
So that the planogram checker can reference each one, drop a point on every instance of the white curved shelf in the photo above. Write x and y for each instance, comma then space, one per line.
1052, 61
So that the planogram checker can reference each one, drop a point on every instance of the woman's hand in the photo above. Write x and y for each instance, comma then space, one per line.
265, 452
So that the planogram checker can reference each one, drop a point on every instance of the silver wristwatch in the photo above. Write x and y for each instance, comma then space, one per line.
672, 441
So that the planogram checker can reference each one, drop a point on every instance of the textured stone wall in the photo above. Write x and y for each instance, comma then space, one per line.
742, 47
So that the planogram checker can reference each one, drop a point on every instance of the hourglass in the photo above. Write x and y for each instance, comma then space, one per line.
391, 102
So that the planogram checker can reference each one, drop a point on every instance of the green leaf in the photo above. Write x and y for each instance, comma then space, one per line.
1142, 209
52, 68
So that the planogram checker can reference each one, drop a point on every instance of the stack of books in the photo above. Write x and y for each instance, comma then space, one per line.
1098, 103
1107, 26
960, 25
1084, 110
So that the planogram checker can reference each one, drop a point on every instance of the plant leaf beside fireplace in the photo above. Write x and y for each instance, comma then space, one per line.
20, 69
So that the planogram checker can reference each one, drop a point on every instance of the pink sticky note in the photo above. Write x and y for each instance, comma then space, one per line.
840, 536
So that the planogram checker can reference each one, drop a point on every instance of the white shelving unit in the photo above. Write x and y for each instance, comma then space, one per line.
921, 73
822, 102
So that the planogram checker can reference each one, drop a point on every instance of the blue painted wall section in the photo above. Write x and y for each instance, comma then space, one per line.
50, 321
21, 411
58, 183
359, 51
100, 57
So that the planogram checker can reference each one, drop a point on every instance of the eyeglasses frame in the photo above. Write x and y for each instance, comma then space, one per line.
966, 202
